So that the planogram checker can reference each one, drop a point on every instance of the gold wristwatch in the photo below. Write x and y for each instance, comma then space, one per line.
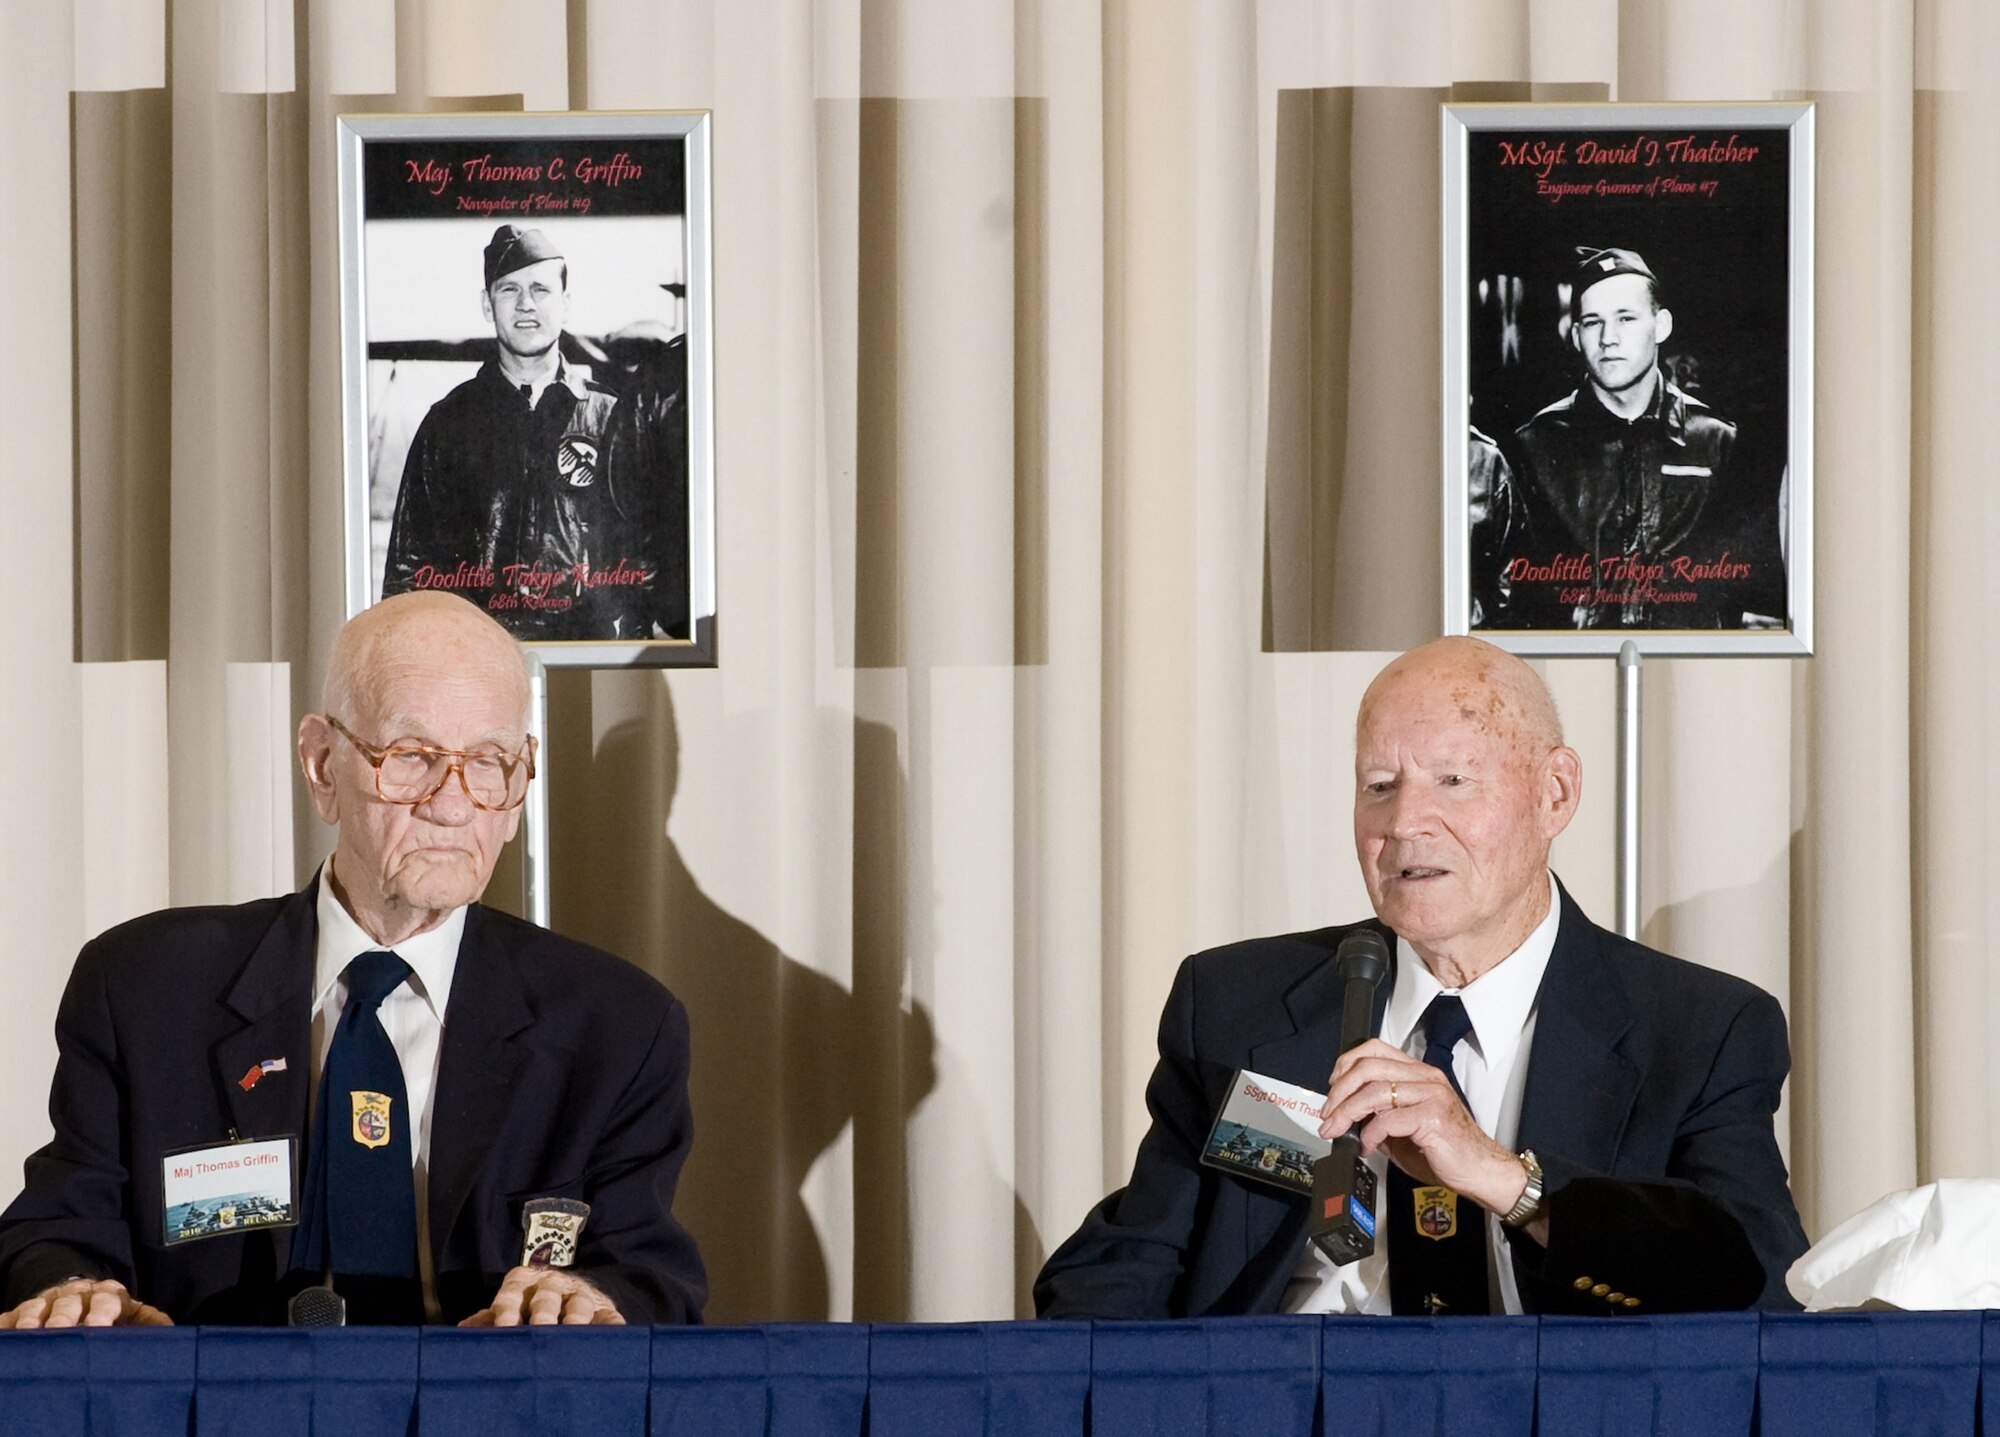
1530, 1204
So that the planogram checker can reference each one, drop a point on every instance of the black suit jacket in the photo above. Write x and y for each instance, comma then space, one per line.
1650, 1093
563, 1073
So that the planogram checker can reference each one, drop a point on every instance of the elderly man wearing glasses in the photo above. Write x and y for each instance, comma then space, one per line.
376, 1085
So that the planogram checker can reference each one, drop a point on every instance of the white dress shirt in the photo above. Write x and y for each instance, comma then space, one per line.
413, 1017
1491, 1064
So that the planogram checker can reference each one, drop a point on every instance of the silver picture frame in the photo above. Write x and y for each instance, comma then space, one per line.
1584, 504
538, 438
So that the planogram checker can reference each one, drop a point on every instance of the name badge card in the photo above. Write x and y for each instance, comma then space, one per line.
233, 1187
1269, 1131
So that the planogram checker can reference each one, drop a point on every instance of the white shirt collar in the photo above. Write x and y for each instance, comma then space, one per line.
1498, 1001
432, 955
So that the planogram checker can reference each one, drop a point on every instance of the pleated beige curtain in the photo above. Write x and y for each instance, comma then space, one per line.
1077, 432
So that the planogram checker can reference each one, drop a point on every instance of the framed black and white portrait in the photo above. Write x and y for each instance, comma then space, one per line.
1628, 377
527, 375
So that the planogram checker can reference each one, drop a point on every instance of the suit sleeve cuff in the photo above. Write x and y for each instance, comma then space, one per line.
50, 1264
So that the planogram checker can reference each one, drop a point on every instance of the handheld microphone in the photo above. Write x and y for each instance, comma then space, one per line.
1342, 1222
316, 1307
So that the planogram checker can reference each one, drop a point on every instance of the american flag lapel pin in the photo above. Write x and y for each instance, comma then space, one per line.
250, 1079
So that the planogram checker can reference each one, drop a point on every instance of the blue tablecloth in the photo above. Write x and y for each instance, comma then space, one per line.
1892, 1374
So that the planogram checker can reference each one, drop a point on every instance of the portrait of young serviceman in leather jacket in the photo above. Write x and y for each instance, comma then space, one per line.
1629, 502
532, 489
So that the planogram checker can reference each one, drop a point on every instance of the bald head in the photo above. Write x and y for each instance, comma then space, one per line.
423, 632
423, 671
1491, 689
1461, 784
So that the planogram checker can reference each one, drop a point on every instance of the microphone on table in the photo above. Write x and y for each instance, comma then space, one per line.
1342, 1223
316, 1307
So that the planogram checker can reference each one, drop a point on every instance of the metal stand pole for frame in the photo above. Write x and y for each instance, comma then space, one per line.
535, 819
1628, 790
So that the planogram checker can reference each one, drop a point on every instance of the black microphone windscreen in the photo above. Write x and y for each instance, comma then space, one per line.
1362, 961
1363, 955
316, 1307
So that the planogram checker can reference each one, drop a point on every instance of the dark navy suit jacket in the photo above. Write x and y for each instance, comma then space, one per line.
563, 1073
1650, 1093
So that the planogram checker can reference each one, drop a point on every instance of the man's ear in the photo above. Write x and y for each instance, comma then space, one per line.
1663, 325
1562, 789
486, 305
316, 742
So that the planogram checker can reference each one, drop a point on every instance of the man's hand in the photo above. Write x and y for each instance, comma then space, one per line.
85, 1302
543, 1297
1412, 1110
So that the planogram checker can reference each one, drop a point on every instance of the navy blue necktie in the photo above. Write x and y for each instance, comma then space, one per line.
1437, 1240
361, 1157
1446, 1024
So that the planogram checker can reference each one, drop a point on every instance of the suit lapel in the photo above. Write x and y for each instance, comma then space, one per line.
1580, 1088
272, 995
477, 1069
1305, 1055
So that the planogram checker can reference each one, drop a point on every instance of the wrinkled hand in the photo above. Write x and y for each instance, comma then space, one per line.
543, 1297
84, 1302
1426, 1129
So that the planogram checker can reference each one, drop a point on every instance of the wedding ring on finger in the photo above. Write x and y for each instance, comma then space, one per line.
1392, 1095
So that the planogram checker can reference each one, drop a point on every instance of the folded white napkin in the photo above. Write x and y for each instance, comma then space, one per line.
1934, 1247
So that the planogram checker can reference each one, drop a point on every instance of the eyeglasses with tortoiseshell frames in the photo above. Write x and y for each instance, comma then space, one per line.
412, 773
